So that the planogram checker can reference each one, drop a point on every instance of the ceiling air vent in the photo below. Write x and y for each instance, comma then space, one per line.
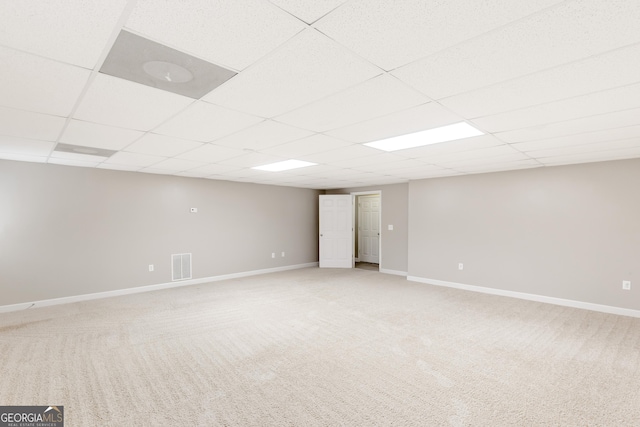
180, 267
143, 61
84, 151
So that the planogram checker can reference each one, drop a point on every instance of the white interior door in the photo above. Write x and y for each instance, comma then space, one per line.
336, 233
369, 229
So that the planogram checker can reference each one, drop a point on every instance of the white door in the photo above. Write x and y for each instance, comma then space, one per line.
369, 229
335, 231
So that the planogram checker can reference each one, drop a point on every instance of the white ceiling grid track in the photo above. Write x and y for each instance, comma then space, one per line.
548, 83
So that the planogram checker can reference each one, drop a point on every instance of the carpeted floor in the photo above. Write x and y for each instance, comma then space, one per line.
323, 347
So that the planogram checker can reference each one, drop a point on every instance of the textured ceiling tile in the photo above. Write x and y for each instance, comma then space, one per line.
211, 153
206, 122
28, 82
617, 154
376, 97
618, 119
306, 68
134, 159
24, 124
263, 135
308, 10
585, 148
312, 144
452, 147
627, 132
606, 71
73, 162
391, 34
566, 33
99, 136
72, 31
618, 99
121, 103
251, 160
231, 33
177, 165
12, 145
161, 145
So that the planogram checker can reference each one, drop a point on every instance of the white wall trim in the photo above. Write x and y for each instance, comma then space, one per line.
148, 288
394, 272
531, 297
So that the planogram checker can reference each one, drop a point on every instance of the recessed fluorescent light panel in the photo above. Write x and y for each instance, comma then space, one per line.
284, 166
432, 136
144, 61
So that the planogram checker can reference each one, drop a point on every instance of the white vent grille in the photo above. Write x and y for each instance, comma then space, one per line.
180, 266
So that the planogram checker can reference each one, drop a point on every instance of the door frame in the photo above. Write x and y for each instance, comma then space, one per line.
354, 198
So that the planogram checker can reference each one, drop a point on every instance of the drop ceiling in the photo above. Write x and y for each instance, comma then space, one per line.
548, 82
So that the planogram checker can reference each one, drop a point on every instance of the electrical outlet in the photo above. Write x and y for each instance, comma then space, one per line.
273, 254
460, 266
282, 254
626, 285
150, 267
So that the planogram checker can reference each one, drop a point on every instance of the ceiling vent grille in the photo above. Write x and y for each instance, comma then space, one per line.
180, 267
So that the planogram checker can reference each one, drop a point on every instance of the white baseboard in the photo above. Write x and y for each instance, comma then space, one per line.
148, 288
531, 297
394, 272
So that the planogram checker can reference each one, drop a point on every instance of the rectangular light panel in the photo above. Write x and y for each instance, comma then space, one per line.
432, 136
284, 166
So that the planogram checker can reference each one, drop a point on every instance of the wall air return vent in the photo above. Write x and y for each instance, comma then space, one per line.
180, 267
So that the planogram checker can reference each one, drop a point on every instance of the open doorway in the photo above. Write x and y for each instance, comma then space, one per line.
367, 236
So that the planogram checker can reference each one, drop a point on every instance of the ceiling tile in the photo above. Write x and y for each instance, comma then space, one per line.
214, 169
177, 165
30, 147
580, 139
99, 136
576, 126
161, 145
422, 117
263, 135
482, 153
451, 147
497, 167
52, 29
86, 158
206, 122
24, 124
308, 10
376, 97
566, 33
122, 103
231, 33
306, 68
351, 152
73, 162
585, 148
134, 159
483, 160
600, 156
391, 34
309, 145
621, 98
360, 162
251, 160
32, 83
23, 157
111, 166
606, 71
211, 153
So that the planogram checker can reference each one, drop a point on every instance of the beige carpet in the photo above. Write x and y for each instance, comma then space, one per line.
322, 348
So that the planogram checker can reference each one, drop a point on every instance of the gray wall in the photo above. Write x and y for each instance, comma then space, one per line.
569, 232
69, 231
394, 199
